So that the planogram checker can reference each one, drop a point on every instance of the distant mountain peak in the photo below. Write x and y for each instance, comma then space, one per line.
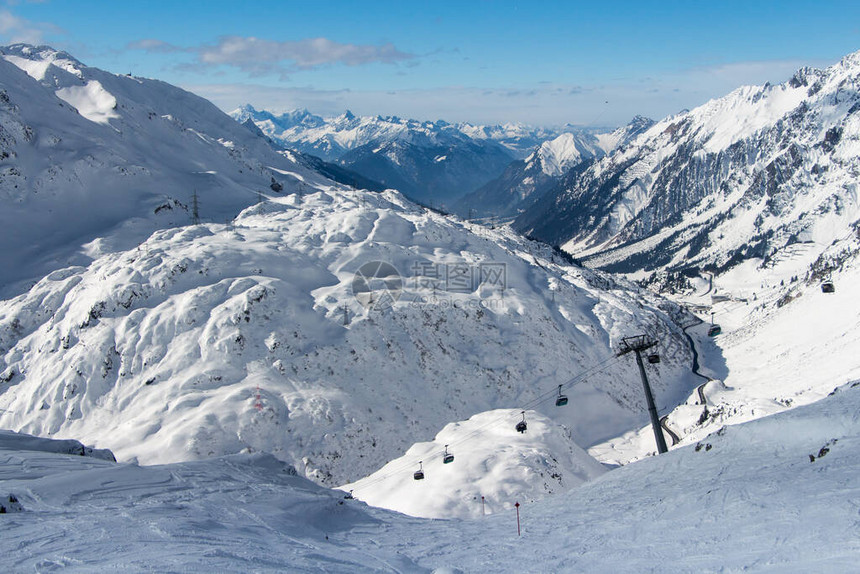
39, 52
736, 179
404, 153
524, 182
38, 61
851, 60
76, 138
245, 109
639, 121
558, 155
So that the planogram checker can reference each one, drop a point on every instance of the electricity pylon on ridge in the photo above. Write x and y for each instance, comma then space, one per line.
636, 345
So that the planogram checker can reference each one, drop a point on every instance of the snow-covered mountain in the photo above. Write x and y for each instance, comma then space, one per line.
211, 339
92, 161
756, 174
525, 181
743, 208
330, 137
253, 334
520, 139
557, 156
359, 337
431, 162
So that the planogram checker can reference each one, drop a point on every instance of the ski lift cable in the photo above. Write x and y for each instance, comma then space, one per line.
546, 396
728, 309
409, 463
542, 398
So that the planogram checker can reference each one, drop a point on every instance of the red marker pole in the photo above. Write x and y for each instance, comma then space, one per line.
482, 506
518, 518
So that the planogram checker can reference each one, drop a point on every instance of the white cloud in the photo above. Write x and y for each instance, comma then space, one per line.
258, 57
14, 29
153, 45
609, 104
305, 54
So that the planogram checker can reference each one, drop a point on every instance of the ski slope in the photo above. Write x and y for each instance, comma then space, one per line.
777, 494
493, 466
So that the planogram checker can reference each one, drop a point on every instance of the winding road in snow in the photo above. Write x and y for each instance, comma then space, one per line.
700, 388
710, 284
664, 421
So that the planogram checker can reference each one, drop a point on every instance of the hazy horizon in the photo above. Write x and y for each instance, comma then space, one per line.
550, 64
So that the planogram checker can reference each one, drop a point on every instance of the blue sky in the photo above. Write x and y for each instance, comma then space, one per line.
547, 62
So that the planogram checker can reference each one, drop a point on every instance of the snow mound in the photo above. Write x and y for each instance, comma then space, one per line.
91, 514
91, 100
494, 466
16, 441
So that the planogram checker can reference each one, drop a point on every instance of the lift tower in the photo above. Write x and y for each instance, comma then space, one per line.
638, 344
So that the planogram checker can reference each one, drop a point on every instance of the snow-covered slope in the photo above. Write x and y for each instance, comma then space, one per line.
86, 154
525, 181
16, 441
775, 495
211, 339
123, 517
493, 466
742, 208
749, 175
784, 343
434, 163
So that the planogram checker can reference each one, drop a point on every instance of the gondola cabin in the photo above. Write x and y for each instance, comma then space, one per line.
561, 399
419, 474
522, 426
654, 358
447, 458
714, 331
828, 287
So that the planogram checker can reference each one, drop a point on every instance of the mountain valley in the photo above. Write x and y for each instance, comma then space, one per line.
264, 341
